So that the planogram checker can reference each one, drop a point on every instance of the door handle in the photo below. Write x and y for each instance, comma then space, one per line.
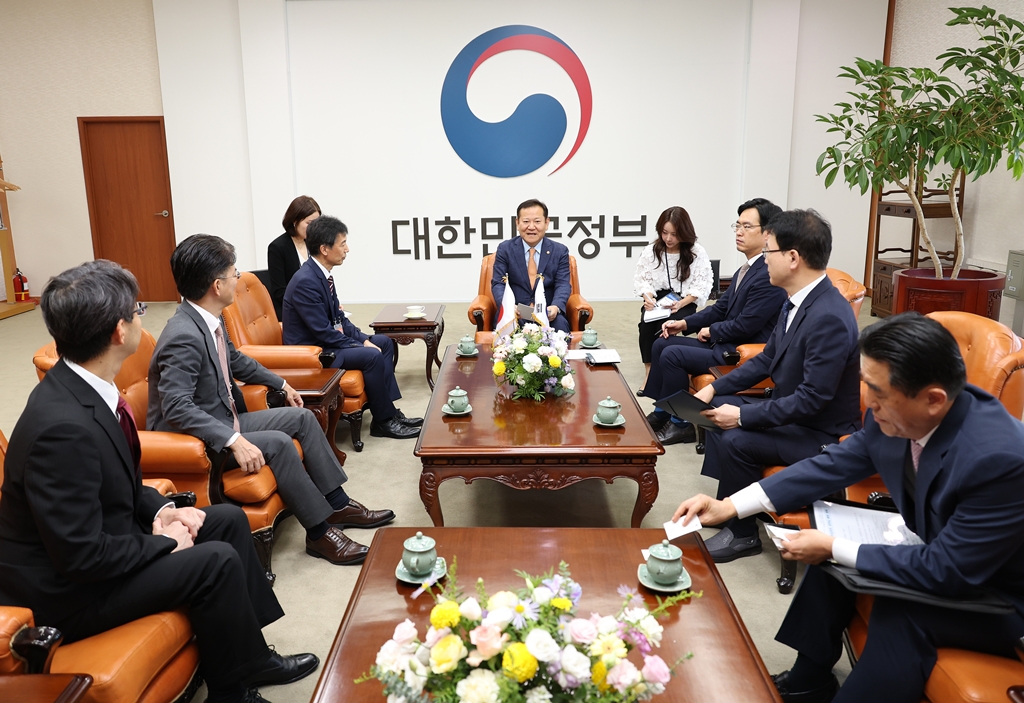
162, 213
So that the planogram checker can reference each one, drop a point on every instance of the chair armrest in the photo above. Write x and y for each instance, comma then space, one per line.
171, 452
481, 313
36, 646
748, 352
12, 620
284, 356
578, 311
255, 396
163, 486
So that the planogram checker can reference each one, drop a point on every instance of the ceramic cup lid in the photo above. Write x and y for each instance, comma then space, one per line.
666, 550
457, 392
421, 543
609, 403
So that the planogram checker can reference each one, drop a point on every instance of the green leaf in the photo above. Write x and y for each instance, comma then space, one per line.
831, 176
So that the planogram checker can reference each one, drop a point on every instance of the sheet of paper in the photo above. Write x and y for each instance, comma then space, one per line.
862, 525
646, 553
603, 356
656, 314
677, 529
576, 355
778, 534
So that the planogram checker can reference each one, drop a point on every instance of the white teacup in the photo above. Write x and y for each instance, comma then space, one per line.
415, 309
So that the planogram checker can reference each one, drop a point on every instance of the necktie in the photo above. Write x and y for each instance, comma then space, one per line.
126, 420
222, 356
334, 299
915, 453
531, 267
786, 307
743, 272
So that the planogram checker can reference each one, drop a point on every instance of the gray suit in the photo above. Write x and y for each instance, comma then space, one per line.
187, 394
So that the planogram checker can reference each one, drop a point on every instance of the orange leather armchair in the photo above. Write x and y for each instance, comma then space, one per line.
255, 330
150, 660
185, 460
484, 308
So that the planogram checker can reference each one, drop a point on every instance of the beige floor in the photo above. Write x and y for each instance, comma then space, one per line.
314, 593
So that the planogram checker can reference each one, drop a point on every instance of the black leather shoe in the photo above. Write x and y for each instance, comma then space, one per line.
250, 695
725, 547
337, 548
410, 421
823, 694
640, 393
393, 428
355, 514
672, 433
282, 669
657, 420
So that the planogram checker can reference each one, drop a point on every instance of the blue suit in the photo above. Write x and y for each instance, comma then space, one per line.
816, 369
510, 258
968, 508
745, 314
311, 312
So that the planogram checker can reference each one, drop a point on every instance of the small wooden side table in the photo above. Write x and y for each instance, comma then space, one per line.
391, 322
44, 688
321, 392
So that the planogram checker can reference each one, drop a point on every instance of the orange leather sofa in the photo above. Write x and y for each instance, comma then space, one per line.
150, 660
255, 331
483, 308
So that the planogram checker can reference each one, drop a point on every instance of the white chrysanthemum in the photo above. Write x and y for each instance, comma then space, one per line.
542, 594
542, 645
531, 328
392, 656
575, 663
545, 350
481, 686
519, 343
538, 694
568, 383
532, 363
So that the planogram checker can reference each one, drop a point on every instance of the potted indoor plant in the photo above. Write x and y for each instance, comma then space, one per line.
908, 125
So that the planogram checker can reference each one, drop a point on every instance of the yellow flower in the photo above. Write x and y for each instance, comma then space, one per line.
518, 663
554, 361
561, 603
608, 647
445, 615
446, 654
499, 368
597, 674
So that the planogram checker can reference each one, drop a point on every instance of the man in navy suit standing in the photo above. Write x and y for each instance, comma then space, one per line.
530, 256
745, 314
812, 359
313, 315
953, 460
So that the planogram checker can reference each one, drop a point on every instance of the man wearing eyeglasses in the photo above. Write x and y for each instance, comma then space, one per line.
528, 258
744, 314
812, 359
192, 390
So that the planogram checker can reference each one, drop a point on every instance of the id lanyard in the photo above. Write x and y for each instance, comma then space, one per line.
668, 277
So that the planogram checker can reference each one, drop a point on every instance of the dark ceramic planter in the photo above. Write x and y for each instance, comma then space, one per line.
974, 291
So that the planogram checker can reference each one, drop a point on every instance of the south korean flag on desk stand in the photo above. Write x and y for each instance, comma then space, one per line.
506, 313
540, 303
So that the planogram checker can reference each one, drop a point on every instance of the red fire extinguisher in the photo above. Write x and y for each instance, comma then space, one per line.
20, 286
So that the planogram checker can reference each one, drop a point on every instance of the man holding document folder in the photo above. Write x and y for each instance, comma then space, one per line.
953, 461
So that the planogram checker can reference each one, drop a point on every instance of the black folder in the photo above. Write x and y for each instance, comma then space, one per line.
687, 407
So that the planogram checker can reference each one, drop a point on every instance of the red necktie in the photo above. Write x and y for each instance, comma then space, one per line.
126, 419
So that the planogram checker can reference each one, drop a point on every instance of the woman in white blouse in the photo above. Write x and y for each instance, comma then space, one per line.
673, 263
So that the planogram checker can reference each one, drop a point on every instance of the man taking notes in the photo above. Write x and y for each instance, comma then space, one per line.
530, 256
953, 461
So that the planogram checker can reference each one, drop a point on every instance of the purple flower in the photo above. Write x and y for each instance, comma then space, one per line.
575, 593
638, 638
555, 584
635, 600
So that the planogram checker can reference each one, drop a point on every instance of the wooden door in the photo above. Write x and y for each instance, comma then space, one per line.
128, 187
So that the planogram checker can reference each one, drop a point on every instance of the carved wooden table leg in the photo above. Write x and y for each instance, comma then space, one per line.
428, 494
646, 494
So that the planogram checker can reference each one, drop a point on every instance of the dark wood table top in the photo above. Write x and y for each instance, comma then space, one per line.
44, 688
311, 381
556, 426
725, 665
394, 316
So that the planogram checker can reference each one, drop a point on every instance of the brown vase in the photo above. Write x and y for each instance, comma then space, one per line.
974, 291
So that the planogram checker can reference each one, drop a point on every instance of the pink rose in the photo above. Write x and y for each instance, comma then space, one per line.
405, 632
622, 676
582, 631
488, 641
656, 670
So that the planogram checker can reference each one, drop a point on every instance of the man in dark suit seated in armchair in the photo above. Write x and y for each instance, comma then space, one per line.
313, 315
812, 358
530, 256
745, 314
85, 545
953, 460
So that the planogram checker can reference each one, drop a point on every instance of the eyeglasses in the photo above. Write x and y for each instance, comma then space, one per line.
746, 227
236, 274
140, 309
766, 251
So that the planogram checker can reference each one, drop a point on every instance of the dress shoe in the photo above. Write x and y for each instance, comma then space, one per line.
282, 669
823, 694
640, 393
355, 514
671, 433
410, 421
336, 548
250, 695
724, 547
657, 420
393, 428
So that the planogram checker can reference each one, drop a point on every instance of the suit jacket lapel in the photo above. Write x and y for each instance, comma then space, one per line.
801, 312
933, 457
545, 263
211, 350
518, 262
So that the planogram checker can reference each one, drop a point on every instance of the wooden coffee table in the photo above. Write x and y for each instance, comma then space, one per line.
391, 322
528, 444
725, 665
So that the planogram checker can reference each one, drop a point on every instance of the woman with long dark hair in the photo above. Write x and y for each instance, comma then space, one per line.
288, 252
672, 265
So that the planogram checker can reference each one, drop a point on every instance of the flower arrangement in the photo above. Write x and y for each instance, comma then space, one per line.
527, 646
532, 360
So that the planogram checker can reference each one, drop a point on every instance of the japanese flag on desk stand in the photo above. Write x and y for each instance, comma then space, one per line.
540, 304
506, 313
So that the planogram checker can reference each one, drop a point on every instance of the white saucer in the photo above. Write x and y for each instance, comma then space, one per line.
403, 575
619, 422
448, 411
681, 584
476, 352
590, 346
414, 315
